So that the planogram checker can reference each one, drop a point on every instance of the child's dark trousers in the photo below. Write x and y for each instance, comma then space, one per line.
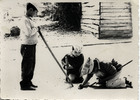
27, 65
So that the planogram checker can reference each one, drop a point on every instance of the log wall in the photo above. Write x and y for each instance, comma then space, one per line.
108, 19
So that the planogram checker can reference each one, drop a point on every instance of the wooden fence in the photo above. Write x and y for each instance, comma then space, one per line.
107, 19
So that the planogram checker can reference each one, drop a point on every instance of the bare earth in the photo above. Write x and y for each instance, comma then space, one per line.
49, 77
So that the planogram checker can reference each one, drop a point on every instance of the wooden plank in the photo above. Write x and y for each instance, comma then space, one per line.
106, 27
90, 21
86, 17
115, 29
91, 4
106, 8
115, 10
111, 32
116, 18
89, 29
122, 2
116, 14
90, 9
113, 26
90, 15
115, 21
85, 3
116, 34
90, 12
114, 7
91, 26
117, 4
116, 24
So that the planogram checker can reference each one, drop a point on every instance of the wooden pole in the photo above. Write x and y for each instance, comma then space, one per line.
54, 57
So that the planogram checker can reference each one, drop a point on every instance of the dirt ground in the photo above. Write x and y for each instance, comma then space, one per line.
49, 77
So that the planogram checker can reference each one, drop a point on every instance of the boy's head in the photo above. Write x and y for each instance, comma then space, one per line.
87, 67
90, 66
76, 50
31, 10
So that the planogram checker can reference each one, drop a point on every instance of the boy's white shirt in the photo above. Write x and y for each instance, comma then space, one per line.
29, 32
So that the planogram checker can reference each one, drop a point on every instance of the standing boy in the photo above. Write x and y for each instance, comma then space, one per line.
73, 64
28, 48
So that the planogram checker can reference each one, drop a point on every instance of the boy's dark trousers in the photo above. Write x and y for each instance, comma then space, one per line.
27, 65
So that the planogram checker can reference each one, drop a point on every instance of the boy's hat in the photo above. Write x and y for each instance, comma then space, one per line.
29, 5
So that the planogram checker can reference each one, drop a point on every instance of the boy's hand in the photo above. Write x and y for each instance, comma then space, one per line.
68, 67
39, 29
80, 86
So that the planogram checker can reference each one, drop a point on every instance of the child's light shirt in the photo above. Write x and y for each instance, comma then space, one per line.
29, 32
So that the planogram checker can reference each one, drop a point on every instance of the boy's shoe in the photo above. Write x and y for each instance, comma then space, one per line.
77, 80
35, 86
129, 85
80, 86
102, 85
32, 85
27, 88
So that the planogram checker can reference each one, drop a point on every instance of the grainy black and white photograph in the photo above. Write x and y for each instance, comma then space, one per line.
70, 49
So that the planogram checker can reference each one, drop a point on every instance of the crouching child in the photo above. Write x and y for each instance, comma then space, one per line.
72, 63
106, 73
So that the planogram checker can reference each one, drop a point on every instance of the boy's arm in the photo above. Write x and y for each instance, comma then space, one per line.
88, 77
63, 61
31, 30
82, 59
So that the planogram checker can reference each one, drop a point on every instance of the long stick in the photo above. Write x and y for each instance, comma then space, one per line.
126, 64
54, 57
114, 74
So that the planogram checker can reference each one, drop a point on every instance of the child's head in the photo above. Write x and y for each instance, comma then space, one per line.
76, 50
87, 68
90, 66
31, 10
